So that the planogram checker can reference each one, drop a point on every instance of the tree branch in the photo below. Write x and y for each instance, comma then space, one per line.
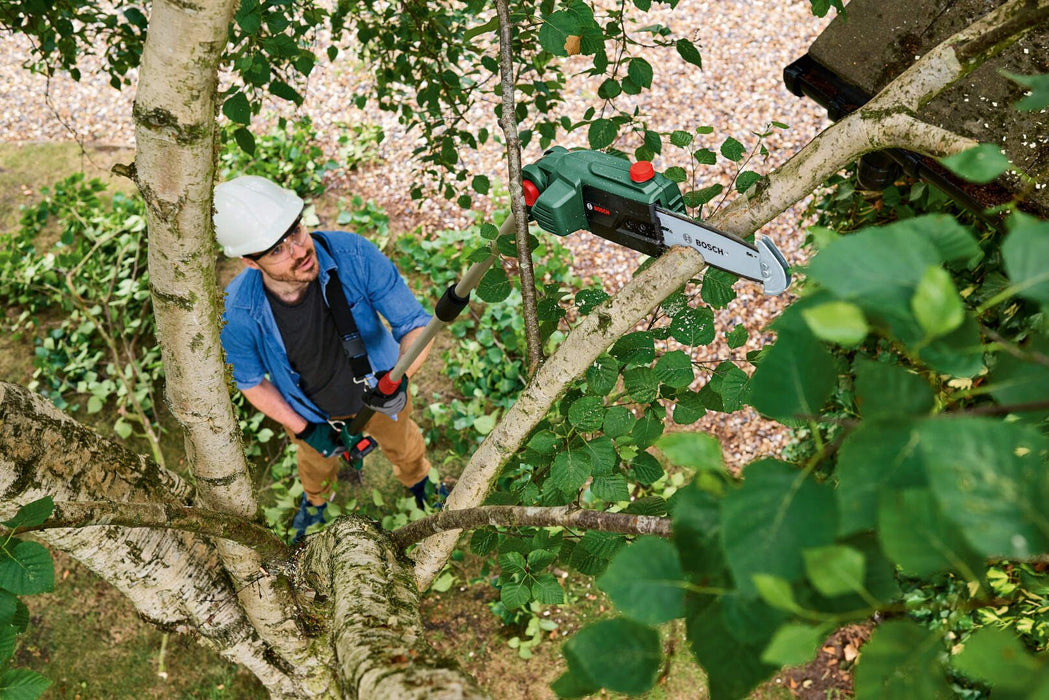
167, 516
828, 153
508, 122
525, 516
993, 42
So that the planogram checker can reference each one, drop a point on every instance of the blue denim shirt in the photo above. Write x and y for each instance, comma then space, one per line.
372, 286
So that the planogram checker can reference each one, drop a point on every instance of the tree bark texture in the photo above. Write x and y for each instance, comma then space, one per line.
887, 121
508, 122
368, 596
174, 579
530, 516
174, 113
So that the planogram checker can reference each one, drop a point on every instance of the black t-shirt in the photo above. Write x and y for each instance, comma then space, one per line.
315, 352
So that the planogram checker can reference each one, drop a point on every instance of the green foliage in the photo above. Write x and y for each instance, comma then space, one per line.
913, 370
86, 298
25, 569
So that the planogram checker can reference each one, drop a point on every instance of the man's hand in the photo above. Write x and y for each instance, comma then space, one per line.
323, 438
387, 397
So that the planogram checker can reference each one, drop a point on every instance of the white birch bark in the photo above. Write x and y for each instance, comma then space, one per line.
174, 113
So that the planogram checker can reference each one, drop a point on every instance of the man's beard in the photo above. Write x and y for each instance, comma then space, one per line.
297, 273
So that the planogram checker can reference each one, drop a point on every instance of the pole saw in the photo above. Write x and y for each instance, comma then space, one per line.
629, 204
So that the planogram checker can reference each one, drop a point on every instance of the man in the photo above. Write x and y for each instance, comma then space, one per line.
283, 337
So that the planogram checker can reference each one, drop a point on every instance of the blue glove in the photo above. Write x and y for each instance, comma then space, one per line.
323, 438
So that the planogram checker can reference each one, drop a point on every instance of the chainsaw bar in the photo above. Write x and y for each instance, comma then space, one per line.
761, 263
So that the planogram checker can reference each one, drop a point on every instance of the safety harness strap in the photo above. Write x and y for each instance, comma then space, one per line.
352, 343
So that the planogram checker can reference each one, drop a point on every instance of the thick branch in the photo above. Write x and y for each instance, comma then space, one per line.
372, 604
167, 516
508, 122
523, 516
998, 39
838, 146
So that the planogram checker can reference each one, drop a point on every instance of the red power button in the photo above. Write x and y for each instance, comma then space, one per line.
531, 192
642, 171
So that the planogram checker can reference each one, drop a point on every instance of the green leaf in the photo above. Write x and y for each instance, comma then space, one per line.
555, 30
795, 377
705, 156
733, 150
1015, 381
122, 428
570, 685
237, 109
688, 51
647, 429
698, 198
645, 581
675, 369
980, 164
936, 303
285, 92
618, 421
837, 322
8, 641
512, 563
481, 184
94, 404
610, 487
901, 662
641, 384
917, 537
547, 590
636, 348
1038, 85
776, 591
681, 139
32, 514
734, 667
494, 286
745, 180
884, 390
544, 442
1025, 251
26, 568
675, 174
515, 595
569, 470
689, 408
777, 513
587, 413
483, 540
621, 655
698, 451
609, 89
602, 376
602, 133
22, 684
988, 477
603, 455
717, 288
794, 644
595, 550
245, 139
996, 657
640, 72
836, 569
646, 468
693, 326
737, 337
876, 458
588, 299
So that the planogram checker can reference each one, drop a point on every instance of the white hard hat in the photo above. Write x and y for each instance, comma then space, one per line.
252, 213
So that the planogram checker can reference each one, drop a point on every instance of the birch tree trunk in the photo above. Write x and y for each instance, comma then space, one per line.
174, 113
887, 121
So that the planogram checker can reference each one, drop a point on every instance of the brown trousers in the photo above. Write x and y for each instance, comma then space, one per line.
401, 441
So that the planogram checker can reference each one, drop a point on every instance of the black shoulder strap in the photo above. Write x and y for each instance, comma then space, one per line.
352, 344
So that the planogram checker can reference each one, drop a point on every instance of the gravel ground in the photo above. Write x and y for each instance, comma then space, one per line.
744, 43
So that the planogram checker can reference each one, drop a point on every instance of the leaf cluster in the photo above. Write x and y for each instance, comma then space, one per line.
25, 569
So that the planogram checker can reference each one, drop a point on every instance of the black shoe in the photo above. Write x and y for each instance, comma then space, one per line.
428, 495
304, 518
